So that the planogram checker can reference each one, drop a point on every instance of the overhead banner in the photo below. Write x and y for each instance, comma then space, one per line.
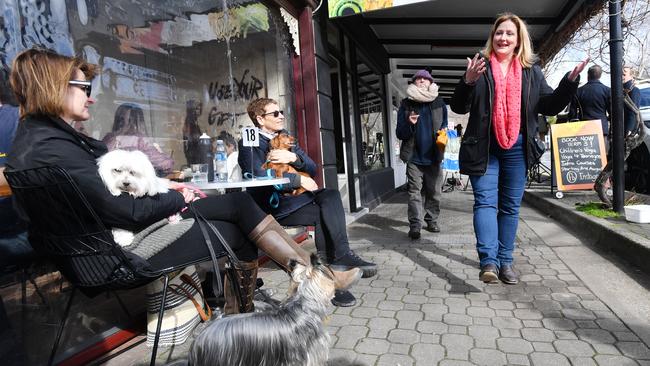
338, 8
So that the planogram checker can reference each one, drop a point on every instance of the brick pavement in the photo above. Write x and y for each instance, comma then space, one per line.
426, 306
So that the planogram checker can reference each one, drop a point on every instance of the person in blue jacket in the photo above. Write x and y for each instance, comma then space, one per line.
419, 118
321, 208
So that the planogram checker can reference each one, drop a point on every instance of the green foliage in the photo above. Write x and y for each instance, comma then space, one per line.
597, 209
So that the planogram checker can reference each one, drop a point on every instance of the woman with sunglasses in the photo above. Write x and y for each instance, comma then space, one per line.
53, 92
321, 208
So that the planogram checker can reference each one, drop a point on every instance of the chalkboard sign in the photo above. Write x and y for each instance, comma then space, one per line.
579, 154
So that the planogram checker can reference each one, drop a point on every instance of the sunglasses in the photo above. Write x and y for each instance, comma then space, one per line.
83, 85
275, 114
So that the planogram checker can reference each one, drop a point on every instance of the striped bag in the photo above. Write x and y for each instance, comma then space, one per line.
185, 308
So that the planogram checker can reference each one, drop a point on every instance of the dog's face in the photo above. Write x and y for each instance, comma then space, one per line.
283, 141
316, 278
127, 171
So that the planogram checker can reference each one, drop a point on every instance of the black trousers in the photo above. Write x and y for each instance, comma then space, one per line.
233, 214
327, 215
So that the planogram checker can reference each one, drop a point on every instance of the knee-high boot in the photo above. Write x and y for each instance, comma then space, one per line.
245, 279
269, 236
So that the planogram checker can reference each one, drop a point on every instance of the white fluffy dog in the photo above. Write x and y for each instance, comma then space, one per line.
130, 172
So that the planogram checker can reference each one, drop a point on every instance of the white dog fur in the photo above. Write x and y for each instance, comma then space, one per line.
131, 172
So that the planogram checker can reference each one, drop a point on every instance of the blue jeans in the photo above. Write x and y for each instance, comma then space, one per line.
497, 198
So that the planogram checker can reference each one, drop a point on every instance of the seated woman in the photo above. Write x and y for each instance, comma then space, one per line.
53, 91
321, 208
129, 133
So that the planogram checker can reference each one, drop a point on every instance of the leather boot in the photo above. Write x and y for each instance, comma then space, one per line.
246, 280
269, 236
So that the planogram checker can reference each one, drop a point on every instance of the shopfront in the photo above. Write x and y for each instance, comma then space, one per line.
170, 71
362, 113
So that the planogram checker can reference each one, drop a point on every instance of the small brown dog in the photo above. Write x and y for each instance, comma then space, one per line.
284, 141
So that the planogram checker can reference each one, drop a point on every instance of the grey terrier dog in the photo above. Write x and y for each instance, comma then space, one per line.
290, 335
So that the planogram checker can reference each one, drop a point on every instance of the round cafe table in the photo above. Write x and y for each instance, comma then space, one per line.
244, 183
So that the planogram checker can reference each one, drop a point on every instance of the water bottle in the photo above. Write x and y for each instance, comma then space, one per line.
205, 147
220, 166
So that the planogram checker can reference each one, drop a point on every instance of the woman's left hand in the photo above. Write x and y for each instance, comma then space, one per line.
188, 195
282, 156
578, 69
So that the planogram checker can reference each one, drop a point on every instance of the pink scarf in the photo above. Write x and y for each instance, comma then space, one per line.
506, 111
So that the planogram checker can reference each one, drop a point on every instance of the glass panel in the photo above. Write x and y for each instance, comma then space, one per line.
333, 36
372, 118
170, 70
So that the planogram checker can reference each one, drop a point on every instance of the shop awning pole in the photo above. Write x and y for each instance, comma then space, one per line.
618, 142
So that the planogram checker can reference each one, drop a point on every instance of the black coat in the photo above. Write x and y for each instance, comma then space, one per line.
42, 141
593, 102
537, 97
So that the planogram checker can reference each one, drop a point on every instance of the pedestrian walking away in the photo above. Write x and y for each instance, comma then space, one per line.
503, 90
593, 101
419, 119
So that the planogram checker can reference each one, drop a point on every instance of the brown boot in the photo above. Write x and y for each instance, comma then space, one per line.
246, 278
269, 236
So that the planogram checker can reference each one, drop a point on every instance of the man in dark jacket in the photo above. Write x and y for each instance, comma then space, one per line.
419, 118
593, 101
629, 115
321, 208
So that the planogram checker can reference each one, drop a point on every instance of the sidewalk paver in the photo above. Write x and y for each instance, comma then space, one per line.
426, 305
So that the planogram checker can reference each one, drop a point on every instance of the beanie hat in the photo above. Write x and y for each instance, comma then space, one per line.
422, 74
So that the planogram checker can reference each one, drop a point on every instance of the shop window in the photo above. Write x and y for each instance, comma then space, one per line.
180, 67
170, 70
371, 115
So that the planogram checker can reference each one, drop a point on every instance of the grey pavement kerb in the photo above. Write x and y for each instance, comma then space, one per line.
629, 241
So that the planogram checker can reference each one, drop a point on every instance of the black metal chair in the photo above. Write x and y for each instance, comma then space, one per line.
64, 227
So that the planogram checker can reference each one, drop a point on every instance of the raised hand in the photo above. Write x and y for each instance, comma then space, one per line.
475, 67
578, 69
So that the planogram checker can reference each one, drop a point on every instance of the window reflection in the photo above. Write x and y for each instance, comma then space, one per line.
372, 118
170, 71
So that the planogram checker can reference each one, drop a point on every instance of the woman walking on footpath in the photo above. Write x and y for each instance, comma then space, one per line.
503, 90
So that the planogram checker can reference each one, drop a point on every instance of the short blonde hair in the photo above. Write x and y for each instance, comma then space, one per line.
39, 78
524, 51
256, 108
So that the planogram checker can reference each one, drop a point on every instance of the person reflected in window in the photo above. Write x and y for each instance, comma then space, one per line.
234, 171
192, 131
129, 133
321, 208
503, 89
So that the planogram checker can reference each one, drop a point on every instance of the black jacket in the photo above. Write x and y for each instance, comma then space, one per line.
537, 97
42, 140
593, 102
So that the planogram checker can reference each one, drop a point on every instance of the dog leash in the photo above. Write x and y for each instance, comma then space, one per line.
274, 200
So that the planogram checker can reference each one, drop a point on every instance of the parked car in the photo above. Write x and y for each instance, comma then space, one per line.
637, 167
